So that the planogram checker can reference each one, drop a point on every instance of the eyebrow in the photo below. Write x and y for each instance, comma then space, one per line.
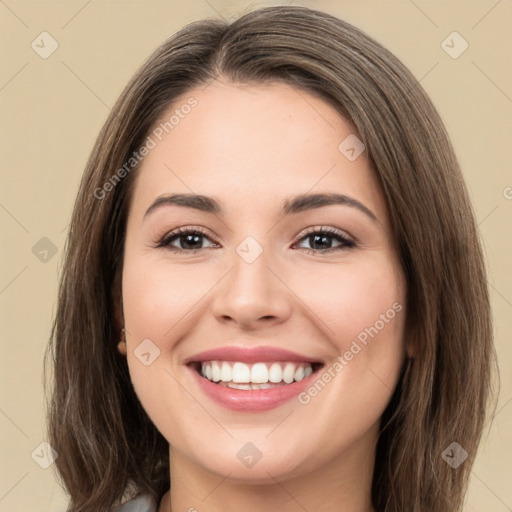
290, 206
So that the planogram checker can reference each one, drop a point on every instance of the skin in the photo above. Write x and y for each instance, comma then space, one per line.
251, 146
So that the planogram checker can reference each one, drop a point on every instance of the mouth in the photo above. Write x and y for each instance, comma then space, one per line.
254, 376
245, 379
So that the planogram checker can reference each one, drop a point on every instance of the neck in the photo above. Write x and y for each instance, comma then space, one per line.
343, 484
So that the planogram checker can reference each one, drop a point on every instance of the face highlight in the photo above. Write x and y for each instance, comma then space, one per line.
248, 228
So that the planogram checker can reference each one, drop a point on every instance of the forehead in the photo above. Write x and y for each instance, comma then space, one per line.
246, 142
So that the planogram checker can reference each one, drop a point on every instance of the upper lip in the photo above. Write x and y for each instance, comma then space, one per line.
249, 355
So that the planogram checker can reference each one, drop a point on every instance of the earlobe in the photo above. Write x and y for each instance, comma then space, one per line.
118, 308
121, 346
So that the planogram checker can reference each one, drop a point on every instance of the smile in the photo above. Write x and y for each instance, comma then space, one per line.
250, 379
260, 375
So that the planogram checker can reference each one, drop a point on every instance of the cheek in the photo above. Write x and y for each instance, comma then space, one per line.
157, 297
351, 298
365, 315
160, 304
362, 308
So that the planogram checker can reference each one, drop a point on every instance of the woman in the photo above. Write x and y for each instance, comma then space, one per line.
274, 296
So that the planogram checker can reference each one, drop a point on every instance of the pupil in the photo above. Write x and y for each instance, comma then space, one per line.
321, 239
195, 238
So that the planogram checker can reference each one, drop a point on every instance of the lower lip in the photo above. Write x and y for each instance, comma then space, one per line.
252, 399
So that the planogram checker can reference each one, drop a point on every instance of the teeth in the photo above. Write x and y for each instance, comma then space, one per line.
289, 373
254, 376
275, 373
248, 386
240, 373
216, 371
225, 372
259, 373
299, 373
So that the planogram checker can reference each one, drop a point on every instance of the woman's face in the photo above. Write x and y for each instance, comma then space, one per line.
256, 280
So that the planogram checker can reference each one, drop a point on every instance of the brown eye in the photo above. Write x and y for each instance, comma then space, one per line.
321, 240
189, 240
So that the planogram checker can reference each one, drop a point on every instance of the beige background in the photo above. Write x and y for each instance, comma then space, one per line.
52, 110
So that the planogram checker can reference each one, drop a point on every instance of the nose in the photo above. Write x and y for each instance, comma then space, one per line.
252, 295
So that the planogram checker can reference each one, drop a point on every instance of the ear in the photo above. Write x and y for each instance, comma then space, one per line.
119, 320
410, 349
411, 338
121, 346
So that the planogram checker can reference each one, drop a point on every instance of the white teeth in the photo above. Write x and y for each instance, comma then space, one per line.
299, 373
266, 385
288, 373
240, 375
259, 373
275, 374
216, 373
225, 372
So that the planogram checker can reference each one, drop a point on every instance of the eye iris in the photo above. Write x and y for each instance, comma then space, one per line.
196, 240
321, 240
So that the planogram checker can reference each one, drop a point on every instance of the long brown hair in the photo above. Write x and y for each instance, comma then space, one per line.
107, 446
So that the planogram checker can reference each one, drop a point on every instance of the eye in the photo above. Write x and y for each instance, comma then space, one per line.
322, 238
189, 239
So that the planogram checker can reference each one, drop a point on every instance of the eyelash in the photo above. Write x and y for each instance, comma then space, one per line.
346, 242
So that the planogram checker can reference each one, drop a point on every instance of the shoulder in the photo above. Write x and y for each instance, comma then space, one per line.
143, 503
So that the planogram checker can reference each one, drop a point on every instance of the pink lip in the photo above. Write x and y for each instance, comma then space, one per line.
250, 355
251, 400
